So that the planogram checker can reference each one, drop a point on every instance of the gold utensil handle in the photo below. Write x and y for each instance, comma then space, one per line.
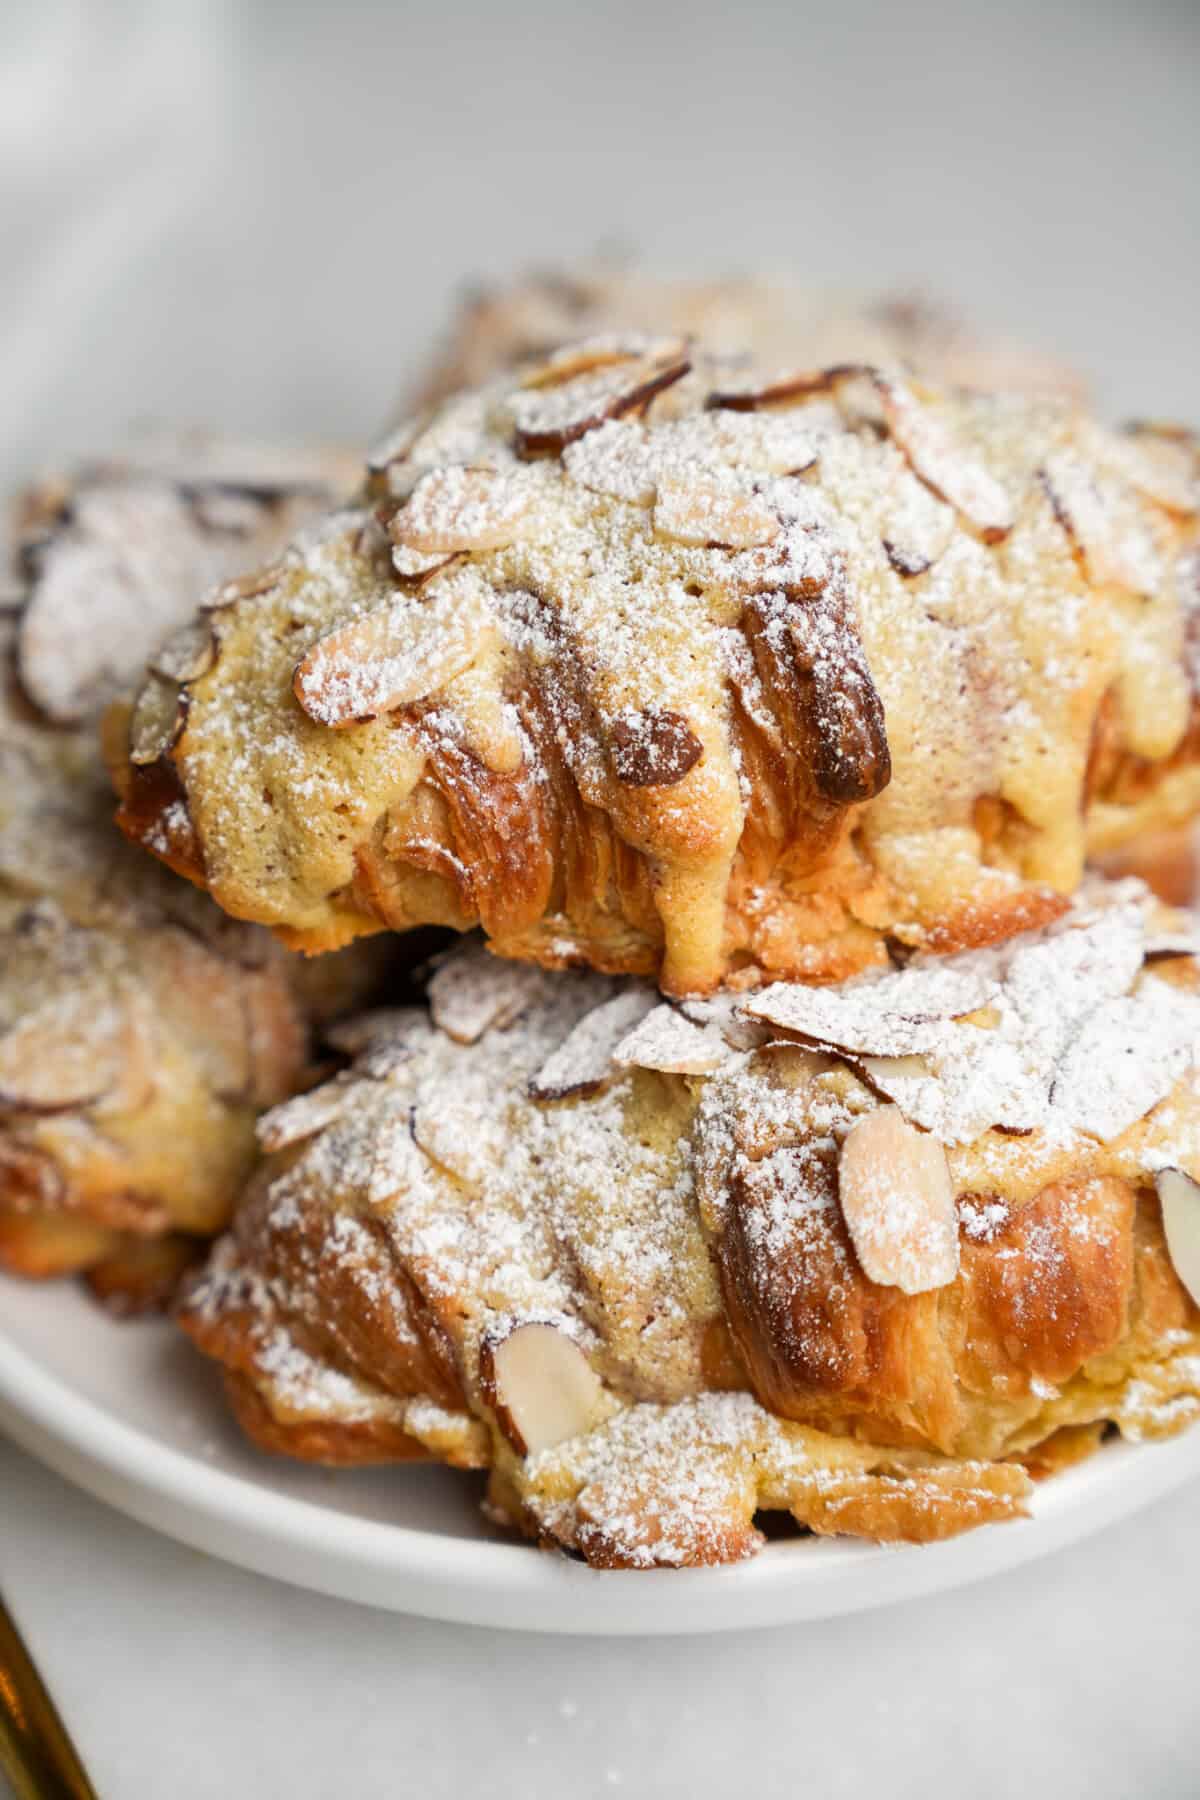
36, 1754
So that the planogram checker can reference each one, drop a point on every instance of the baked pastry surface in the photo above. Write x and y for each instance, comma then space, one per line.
141, 1031
651, 663
780, 318
876, 1257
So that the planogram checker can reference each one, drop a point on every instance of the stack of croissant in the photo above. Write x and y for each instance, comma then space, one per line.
788, 714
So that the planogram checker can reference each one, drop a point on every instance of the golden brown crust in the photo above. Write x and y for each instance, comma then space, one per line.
361, 1444
658, 699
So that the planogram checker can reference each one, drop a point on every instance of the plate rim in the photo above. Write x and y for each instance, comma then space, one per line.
411, 1569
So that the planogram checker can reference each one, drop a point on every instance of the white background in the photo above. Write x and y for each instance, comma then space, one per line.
255, 217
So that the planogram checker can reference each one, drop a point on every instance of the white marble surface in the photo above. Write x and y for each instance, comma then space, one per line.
182, 1677
253, 216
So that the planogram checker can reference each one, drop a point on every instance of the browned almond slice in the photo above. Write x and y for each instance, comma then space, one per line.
540, 1386
189, 653
547, 419
951, 470
583, 1062
700, 510
1179, 1196
1103, 543
653, 748
461, 508
898, 1202
586, 355
916, 526
395, 654
668, 1041
754, 393
474, 992
159, 716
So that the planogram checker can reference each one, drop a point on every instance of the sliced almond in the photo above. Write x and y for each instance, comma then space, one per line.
1179, 1196
540, 1386
474, 992
69, 1053
461, 1142
380, 1042
947, 467
456, 509
1109, 552
898, 1202
891, 1073
668, 1041
701, 510
916, 526
653, 748
159, 716
304, 1116
583, 1062
547, 418
1125, 1057
395, 654
894, 1015
188, 653
1164, 468
754, 393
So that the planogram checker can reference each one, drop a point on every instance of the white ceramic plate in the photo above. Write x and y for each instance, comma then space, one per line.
130, 1413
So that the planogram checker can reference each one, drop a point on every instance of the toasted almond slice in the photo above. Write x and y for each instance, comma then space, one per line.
459, 1141
548, 418
1179, 1197
947, 467
395, 654
916, 526
697, 509
583, 1062
668, 1041
892, 1073
303, 1116
159, 716
898, 1202
1125, 1057
889, 1016
458, 508
540, 1386
753, 393
1109, 553
586, 355
188, 653
474, 992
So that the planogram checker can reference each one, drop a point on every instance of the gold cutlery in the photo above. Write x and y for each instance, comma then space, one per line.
36, 1754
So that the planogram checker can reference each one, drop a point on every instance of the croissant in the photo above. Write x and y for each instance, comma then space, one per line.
141, 1031
646, 663
875, 1256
